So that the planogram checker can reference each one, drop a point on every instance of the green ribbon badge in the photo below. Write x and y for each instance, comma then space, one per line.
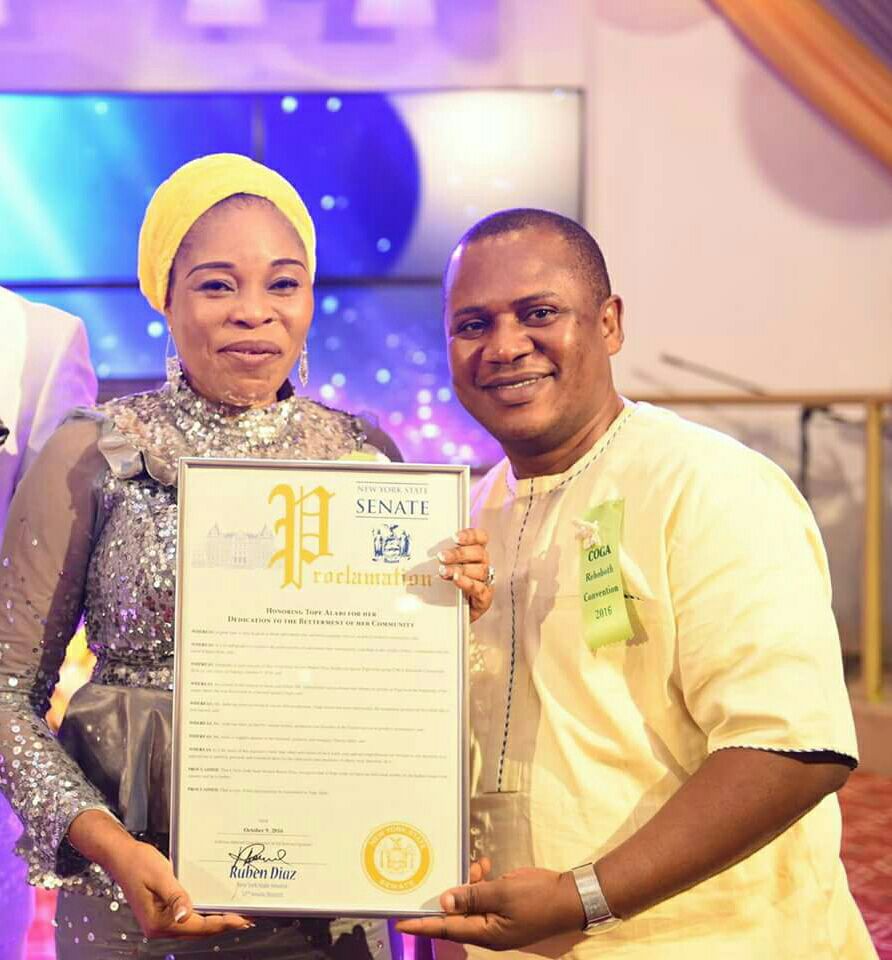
604, 616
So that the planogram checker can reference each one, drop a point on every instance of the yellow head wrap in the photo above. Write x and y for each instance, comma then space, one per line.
191, 191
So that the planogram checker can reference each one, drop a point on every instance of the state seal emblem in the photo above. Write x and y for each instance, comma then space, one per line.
391, 543
396, 857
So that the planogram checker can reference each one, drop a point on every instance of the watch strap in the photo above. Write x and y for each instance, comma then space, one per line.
593, 903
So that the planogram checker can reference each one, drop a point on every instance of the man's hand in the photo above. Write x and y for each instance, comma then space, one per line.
467, 566
479, 870
520, 908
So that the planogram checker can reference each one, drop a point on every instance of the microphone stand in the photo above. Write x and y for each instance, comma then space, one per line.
805, 415
716, 376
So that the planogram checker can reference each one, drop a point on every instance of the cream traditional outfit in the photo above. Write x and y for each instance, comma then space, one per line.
733, 644
45, 371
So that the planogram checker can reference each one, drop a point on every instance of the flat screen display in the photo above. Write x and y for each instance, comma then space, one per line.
392, 180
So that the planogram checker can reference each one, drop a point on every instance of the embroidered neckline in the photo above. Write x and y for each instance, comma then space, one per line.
532, 486
152, 431
194, 414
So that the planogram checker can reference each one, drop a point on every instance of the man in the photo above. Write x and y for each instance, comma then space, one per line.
657, 693
44, 372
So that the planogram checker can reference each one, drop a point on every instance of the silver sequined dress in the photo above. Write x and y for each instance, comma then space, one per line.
92, 532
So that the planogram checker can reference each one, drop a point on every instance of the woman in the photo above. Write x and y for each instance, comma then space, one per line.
227, 253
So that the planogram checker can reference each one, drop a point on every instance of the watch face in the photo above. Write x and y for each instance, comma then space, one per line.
597, 927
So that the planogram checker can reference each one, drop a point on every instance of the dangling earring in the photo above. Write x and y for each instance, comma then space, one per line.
303, 367
171, 359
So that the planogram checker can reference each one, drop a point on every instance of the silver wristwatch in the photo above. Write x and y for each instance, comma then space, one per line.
597, 914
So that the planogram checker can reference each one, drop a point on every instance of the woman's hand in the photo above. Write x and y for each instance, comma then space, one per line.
467, 566
160, 904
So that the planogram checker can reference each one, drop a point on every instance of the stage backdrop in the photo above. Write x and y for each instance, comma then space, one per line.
392, 181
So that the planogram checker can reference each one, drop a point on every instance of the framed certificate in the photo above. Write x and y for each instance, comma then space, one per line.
320, 714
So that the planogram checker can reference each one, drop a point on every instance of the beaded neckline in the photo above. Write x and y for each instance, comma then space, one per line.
152, 431
195, 415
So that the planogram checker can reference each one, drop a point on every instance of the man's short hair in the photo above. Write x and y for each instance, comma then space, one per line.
590, 259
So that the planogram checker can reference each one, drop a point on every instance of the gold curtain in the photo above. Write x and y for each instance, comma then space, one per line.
825, 62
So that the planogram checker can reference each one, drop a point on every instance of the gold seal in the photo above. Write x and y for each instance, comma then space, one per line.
396, 857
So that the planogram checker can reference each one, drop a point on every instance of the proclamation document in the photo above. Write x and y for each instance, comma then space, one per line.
320, 700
